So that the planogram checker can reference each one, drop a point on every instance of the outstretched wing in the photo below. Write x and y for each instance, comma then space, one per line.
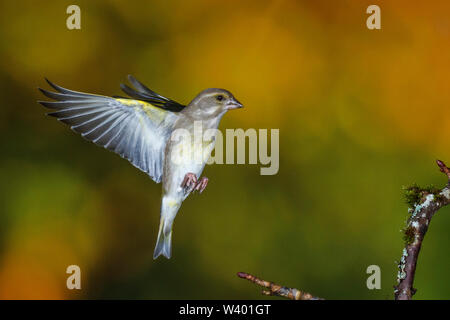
136, 130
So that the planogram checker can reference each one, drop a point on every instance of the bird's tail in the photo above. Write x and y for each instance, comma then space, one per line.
164, 242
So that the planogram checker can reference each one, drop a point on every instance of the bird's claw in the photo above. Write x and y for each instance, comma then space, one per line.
201, 184
189, 182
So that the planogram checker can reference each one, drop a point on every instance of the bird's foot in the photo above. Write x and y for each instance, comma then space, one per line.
201, 184
189, 182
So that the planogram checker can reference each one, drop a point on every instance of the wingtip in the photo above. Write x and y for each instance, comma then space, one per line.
47, 104
42, 90
54, 86
44, 104
47, 93
134, 82
52, 114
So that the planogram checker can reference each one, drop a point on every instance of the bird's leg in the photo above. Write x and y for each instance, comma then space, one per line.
201, 184
189, 182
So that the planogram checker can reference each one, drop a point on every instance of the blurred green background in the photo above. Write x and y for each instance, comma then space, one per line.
361, 113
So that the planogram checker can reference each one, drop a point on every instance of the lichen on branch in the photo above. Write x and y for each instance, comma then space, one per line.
423, 203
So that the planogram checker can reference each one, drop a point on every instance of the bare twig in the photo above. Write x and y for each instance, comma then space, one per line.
443, 168
277, 290
424, 203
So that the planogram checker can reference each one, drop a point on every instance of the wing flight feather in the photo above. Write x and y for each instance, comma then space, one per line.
137, 130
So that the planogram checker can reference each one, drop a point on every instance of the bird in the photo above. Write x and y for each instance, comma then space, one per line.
141, 128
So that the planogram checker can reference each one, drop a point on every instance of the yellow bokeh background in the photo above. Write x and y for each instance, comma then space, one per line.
360, 112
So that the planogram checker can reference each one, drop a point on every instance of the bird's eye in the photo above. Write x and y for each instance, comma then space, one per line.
219, 97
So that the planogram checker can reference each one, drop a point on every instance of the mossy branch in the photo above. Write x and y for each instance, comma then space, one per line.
423, 204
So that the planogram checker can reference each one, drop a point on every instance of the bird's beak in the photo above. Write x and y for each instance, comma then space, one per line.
233, 104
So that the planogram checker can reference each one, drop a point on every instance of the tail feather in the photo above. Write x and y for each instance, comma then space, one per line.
164, 242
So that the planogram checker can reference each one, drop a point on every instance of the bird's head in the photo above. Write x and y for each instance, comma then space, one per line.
213, 102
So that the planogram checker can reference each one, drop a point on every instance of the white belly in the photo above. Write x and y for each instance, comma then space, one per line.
189, 159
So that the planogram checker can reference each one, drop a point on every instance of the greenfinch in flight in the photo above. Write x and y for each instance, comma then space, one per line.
139, 128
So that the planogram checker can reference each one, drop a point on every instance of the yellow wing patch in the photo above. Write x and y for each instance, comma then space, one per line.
154, 113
